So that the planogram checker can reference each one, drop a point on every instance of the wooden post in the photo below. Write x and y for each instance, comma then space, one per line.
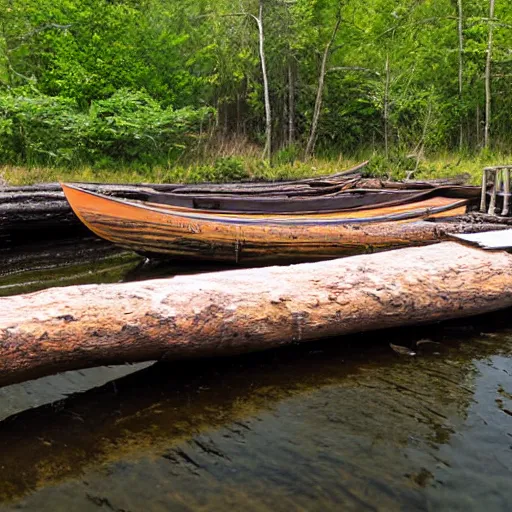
506, 193
483, 199
501, 176
492, 203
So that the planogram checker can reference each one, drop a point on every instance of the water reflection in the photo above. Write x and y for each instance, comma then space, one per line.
83, 261
346, 423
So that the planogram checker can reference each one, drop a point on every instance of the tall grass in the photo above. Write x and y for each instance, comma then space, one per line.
235, 160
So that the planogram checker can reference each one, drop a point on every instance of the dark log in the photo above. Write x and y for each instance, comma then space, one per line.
246, 310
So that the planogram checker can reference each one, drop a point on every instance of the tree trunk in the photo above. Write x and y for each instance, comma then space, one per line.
386, 108
488, 98
461, 66
291, 103
320, 91
239, 311
267, 152
478, 134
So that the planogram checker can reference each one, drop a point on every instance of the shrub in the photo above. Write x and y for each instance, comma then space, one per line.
127, 127
221, 171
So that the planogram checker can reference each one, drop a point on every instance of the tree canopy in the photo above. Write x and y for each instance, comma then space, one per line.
142, 79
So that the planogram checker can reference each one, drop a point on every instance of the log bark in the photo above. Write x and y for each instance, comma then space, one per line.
232, 312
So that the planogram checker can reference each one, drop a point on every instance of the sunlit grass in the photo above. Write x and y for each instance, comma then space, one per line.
442, 165
255, 169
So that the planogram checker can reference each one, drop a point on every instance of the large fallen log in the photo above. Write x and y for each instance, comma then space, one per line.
232, 312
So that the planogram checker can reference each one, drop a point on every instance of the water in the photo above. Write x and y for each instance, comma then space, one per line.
346, 424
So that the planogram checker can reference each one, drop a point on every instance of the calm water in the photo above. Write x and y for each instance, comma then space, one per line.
347, 424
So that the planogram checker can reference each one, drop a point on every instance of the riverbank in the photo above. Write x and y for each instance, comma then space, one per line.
235, 168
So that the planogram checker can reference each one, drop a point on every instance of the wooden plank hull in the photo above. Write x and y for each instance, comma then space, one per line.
250, 239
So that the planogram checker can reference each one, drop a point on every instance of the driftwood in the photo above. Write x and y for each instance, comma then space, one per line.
239, 311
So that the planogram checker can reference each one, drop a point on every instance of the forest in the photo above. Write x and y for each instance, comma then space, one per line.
170, 83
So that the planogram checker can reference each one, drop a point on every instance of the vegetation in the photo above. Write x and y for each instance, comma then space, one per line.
169, 88
442, 165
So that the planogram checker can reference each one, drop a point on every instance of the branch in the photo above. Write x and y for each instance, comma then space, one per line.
412, 23
229, 15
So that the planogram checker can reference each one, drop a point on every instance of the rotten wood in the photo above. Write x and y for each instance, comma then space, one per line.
239, 311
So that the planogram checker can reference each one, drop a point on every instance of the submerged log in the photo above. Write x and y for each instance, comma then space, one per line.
238, 311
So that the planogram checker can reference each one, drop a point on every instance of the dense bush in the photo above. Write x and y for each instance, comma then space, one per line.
127, 127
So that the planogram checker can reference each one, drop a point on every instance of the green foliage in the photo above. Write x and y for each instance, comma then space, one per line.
395, 166
128, 126
287, 155
104, 82
222, 170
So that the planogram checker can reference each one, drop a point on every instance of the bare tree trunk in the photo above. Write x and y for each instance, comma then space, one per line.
420, 147
291, 102
386, 108
238, 114
487, 130
234, 312
268, 113
478, 134
461, 66
320, 92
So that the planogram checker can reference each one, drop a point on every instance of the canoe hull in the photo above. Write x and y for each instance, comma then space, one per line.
251, 239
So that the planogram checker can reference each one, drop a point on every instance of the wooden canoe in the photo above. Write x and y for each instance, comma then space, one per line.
234, 237
341, 200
